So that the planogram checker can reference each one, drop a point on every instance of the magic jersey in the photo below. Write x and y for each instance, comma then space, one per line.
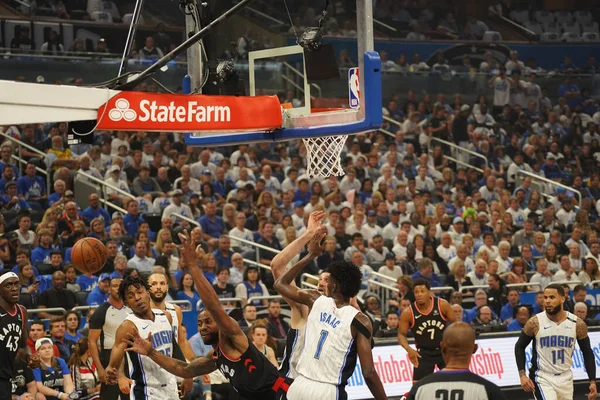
293, 350
553, 346
329, 354
150, 381
171, 309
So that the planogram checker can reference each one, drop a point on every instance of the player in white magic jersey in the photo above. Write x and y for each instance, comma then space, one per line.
295, 337
554, 332
150, 381
158, 287
336, 332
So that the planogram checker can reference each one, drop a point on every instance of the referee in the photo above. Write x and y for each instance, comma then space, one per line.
455, 381
101, 338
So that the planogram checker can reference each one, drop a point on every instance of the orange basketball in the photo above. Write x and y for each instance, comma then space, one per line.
89, 255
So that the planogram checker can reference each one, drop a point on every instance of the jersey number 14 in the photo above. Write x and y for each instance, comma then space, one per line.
558, 355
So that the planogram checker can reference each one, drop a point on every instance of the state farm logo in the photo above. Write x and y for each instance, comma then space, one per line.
153, 111
122, 111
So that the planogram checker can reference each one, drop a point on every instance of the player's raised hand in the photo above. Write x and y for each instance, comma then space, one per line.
137, 344
314, 221
187, 250
315, 246
414, 356
593, 394
527, 384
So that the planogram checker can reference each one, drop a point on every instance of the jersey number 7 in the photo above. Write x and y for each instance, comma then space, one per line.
322, 339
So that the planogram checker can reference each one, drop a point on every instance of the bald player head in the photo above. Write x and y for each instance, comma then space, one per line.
458, 345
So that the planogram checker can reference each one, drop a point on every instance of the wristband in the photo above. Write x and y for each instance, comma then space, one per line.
58, 394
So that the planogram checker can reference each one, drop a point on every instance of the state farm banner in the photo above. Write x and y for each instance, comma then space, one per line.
494, 360
140, 111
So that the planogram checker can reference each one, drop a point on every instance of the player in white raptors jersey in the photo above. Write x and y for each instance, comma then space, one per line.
150, 381
335, 331
554, 332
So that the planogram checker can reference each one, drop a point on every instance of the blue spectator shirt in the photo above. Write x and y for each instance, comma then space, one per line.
514, 326
28, 187
18, 206
131, 224
213, 228
304, 198
86, 283
90, 214
223, 261
53, 198
434, 281
506, 312
96, 297
41, 255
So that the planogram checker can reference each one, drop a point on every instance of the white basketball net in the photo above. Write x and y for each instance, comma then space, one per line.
324, 156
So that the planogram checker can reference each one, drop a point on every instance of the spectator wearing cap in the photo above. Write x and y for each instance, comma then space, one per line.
390, 268
177, 207
66, 223
100, 293
391, 230
41, 254
566, 215
550, 168
114, 179
132, 219
10, 201
94, 210
457, 231
370, 229
143, 184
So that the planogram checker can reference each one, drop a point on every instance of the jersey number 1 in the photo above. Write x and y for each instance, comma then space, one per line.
322, 339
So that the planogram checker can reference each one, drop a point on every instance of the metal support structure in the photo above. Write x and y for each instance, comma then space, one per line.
457, 147
551, 182
137, 78
195, 65
137, 12
183, 217
105, 185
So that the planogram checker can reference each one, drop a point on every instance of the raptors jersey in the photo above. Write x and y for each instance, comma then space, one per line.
428, 326
291, 355
11, 338
553, 346
150, 381
329, 354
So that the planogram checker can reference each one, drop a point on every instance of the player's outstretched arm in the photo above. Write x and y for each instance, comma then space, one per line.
199, 366
403, 326
283, 285
363, 347
527, 334
207, 293
589, 359
447, 311
118, 352
282, 259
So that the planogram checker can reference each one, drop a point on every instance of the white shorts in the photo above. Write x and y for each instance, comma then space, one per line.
553, 387
305, 389
151, 393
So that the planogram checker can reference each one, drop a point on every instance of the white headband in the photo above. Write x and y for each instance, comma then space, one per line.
8, 275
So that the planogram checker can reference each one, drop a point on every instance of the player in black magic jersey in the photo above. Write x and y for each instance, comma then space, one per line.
13, 329
427, 318
248, 370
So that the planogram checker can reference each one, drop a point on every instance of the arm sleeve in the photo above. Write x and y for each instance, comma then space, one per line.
28, 373
520, 347
589, 359
494, 393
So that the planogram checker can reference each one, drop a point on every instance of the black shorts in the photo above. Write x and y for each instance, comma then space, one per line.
109, 392
5, 389
429, 359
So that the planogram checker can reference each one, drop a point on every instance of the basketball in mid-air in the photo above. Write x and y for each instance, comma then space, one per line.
89, 255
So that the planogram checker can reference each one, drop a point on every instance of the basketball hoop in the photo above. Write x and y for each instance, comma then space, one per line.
324, 156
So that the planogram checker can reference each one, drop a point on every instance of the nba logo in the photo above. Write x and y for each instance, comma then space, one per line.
354, 86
